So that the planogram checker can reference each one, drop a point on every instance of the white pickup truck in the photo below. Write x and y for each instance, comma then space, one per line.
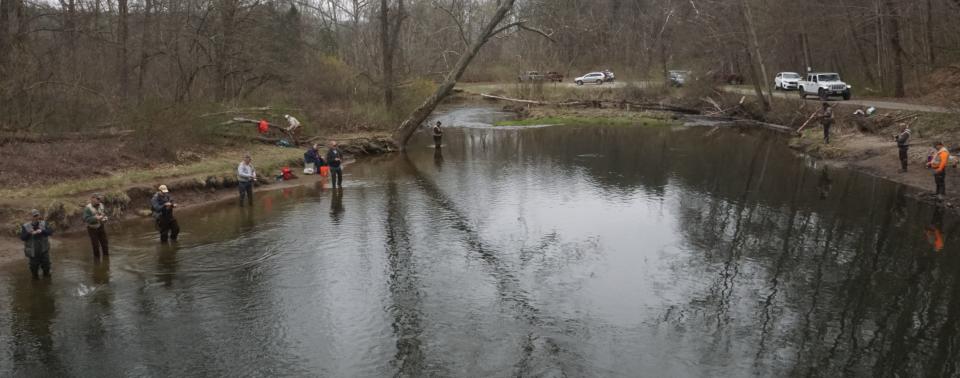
824, 85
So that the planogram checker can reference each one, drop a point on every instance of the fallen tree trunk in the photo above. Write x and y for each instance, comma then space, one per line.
240, 120
410, 125
601, 103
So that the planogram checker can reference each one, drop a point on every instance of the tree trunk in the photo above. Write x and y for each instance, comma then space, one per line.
758, 82
805, 46
122, 34
415, 119
864, 59
224, 46
931, 55
6, 13
389, 39
898, 90
145, 42
386, 53
881, 75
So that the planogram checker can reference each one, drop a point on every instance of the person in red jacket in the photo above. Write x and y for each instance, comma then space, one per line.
939, 165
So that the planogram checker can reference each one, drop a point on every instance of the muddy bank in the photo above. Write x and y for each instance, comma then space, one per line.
859, 143
878, 156
132, 201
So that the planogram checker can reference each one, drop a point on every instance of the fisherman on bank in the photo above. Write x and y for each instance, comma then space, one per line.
246, 175
903, 144
437, 135
293, 123
826, 120
334, 160
938, 163
162, 205
95, 216
36, 244
312, 160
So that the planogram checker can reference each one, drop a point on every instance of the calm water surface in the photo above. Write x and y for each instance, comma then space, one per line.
559, 251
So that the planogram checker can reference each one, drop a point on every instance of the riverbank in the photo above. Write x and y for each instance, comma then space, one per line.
127, 192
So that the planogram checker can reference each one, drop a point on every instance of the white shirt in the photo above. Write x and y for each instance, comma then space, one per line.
293, 123
245, 172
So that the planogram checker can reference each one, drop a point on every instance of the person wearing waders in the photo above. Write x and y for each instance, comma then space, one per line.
334, 160
437, 135
162, 205
95, 216
826, 120
246, 175
903, 144
36, 244
939, 165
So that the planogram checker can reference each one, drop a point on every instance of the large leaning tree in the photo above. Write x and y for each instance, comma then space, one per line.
495, 26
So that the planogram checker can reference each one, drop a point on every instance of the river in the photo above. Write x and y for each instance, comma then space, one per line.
580, 251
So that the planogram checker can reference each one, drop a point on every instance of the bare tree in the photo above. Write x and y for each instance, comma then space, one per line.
415, 119
389, 37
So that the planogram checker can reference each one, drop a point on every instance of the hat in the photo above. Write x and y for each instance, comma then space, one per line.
163, 189
286, 116
97, 196
35, 213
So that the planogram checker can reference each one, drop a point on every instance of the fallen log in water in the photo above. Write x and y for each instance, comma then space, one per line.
600, 104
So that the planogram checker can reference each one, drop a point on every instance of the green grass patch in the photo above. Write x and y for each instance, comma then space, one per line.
581, 120
266, 159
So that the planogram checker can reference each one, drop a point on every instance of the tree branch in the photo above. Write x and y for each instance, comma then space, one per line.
522, 24
463, 35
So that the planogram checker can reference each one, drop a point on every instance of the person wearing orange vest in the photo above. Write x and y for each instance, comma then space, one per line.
939, 165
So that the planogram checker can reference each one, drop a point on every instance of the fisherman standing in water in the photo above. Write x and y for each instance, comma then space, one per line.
334, 159
36, 243
437, 135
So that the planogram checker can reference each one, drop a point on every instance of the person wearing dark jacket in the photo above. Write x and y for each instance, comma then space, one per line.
826, 120
162, 205
903, 144
36, 244
437, 135
312, 159
334, 159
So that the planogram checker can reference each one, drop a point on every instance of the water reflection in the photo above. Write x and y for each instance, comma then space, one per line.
336, 206
33, 344
568, 251
167, 263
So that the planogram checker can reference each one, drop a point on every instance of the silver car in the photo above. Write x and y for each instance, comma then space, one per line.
593, 77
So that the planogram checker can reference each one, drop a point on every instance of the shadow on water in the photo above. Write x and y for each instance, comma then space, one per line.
404, 287
509, 286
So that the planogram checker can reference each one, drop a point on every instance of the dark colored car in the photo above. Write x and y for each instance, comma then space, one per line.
554, 76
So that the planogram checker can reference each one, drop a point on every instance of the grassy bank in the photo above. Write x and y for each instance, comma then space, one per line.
266, 158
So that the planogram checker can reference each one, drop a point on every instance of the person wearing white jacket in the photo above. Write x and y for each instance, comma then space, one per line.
293, 122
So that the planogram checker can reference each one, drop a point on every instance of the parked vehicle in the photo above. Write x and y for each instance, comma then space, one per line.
786, 81
554, 76
530, 76
678, 78
593, 77
608, 76
824, 85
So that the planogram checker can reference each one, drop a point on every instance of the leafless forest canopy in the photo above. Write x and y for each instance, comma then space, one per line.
82, 64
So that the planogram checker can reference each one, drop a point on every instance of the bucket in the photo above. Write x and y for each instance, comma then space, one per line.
325, 171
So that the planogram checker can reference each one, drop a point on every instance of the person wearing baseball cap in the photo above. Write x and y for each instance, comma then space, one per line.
162, 206
36, 244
